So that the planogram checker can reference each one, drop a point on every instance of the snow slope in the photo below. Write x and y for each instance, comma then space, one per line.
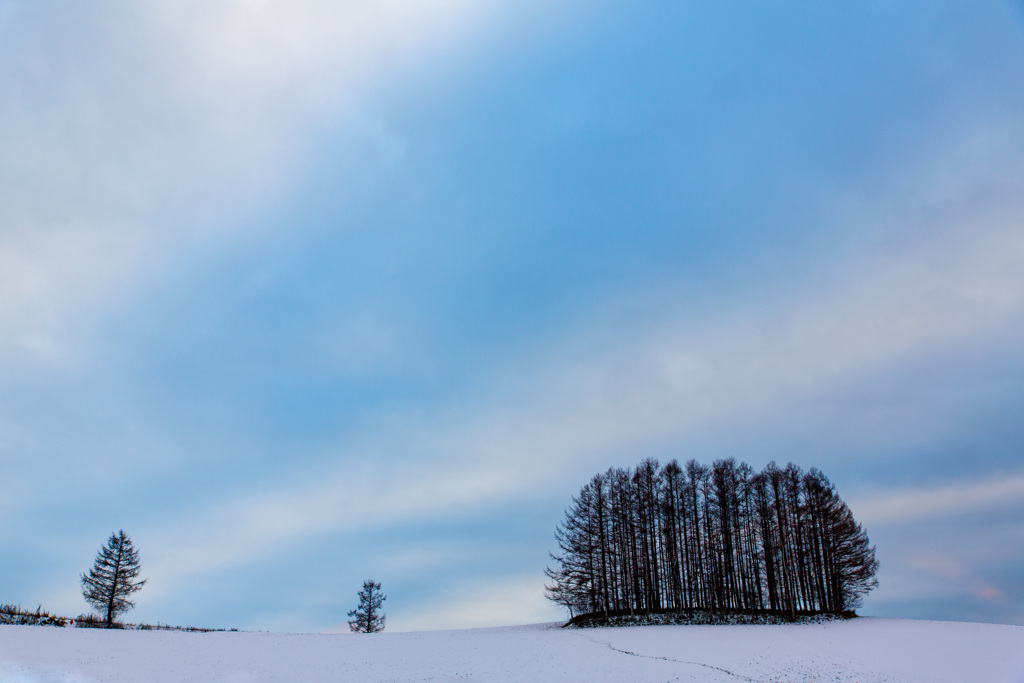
862, 650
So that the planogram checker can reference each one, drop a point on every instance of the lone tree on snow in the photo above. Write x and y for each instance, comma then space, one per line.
113, 578
367, 617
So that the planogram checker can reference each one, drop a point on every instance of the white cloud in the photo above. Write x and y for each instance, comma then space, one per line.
165, 128
135, 139
352, 498
131, 138
915, 504
668, 380
502, 602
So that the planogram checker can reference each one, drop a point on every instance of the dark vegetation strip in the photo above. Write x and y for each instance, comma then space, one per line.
15, 615
702, 617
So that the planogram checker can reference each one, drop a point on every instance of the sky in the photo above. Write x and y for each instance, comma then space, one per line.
300, 294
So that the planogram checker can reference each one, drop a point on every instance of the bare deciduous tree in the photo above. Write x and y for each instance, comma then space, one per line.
113, 578
367, 617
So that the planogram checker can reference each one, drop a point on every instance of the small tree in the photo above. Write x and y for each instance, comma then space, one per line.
113, 578
367, 617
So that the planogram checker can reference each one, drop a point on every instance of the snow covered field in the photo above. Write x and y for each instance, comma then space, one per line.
860, 650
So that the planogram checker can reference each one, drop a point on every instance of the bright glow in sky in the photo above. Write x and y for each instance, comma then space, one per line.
300, 294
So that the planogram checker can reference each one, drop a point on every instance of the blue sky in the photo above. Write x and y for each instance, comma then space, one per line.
304, 293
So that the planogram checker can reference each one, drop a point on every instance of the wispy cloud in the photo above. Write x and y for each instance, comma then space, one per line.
921, 576
957, 574
136, 141
670, 380
501, 602
915, 504
140, 136
143, 148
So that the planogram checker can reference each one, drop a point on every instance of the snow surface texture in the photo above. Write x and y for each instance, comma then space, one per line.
859, 650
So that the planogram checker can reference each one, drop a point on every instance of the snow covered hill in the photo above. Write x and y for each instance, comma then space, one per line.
862, 650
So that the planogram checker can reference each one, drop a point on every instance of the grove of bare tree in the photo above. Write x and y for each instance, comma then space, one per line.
721, 538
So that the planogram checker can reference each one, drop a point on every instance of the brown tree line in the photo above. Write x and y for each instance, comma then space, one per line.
722, 538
